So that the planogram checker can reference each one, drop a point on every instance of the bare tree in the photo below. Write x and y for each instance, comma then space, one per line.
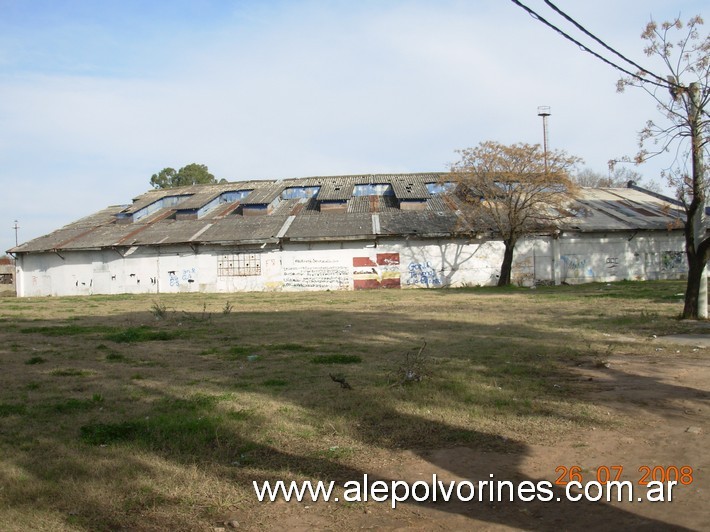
513, 191
618, 177
682, 100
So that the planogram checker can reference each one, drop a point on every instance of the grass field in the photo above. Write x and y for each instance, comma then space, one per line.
147, 412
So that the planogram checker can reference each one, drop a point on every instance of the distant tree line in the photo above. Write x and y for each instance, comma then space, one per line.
618, 177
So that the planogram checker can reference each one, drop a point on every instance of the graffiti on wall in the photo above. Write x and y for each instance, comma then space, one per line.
422, 274
382, 271
176, 278
574, 266
673, 261
316, 274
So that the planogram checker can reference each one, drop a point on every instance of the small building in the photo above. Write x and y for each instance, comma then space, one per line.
340, 233
7, 276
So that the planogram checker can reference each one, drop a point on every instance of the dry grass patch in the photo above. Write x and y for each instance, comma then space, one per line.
146, 413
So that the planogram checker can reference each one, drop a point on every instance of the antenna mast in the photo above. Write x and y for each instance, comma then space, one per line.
544, 112
16, 227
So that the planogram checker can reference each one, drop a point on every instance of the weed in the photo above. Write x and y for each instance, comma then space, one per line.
414, 367
289, 347
340, 379
159, 310
176, 425
240, 350
141, 334
71, 405
227, 308
203, 317
69, 372
336, 359
35, 360
105, 433
11, 409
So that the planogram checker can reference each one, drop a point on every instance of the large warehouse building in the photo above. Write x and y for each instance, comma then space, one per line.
339, 233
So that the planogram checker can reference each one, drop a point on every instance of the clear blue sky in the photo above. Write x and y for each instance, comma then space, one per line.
95, 96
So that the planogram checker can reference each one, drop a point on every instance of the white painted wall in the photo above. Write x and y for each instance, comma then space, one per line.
403, 263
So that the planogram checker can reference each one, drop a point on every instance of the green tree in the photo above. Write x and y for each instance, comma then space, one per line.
684, 129
513, 191
192, 174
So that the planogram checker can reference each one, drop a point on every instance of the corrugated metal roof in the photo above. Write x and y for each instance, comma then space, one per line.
337, 189
331, 225
264, 194
609, 209
604, 209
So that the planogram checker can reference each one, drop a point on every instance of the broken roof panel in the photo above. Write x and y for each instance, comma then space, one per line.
337, 189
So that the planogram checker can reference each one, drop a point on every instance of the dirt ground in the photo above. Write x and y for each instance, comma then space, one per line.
663, 402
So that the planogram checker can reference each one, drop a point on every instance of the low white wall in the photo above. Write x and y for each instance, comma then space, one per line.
352, 265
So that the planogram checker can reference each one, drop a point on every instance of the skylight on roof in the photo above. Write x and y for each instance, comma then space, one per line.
373, 189
300, 192
440, 188
163, 203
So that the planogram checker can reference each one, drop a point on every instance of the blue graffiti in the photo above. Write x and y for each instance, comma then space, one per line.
421, 273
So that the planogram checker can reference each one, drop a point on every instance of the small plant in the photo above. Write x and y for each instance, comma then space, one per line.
159, 310
203, 317
227, 308
35, 360
340, 378
413, 369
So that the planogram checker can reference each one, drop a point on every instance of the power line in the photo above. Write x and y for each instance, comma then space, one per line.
612, 50
664, 84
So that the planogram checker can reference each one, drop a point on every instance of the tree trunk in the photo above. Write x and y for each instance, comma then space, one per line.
507, 266
690, 308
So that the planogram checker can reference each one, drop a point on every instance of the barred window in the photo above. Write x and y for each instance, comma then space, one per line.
239, 264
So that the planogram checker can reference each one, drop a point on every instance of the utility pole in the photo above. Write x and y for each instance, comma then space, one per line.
544, 112
699, 190
15, 227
